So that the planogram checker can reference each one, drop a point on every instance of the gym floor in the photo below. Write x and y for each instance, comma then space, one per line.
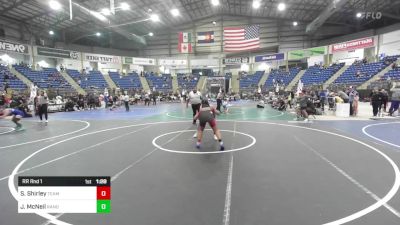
273, 171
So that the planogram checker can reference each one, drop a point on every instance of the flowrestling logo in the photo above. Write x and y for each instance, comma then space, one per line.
370, 15
13, 47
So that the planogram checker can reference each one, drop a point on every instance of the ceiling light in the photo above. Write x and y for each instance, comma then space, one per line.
215, 2
55, 5
106, 12
295, 23
175, 12
98, 34
281, 6
124, 6
256, 4
98, 15
358, 15
155, 18
51, 32
214, 23
151, 34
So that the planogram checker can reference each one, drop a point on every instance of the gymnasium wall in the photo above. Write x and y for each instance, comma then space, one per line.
275, 36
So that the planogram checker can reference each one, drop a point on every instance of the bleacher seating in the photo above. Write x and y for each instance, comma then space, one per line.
317, 75
349, 76
392, 75
359, 73
250, 81
75, 74
129, 81
45, 78
161, 83
187, 82
12, 80
282, 77
94, 80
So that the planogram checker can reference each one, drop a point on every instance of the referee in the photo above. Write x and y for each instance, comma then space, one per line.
195, 99
220, 96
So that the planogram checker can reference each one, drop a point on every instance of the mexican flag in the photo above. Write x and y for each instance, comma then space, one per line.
184, 37
185, 47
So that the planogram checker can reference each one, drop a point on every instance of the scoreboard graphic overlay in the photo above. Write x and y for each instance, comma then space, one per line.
64, 194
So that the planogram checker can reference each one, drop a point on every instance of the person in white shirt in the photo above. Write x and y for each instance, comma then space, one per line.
125, 98
195, 100
42, 103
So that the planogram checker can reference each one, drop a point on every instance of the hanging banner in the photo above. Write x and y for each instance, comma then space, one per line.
57, 53
101, 58
235, 60
352, 45
305, 53
269, 57
139, 61
13, 47
172, 62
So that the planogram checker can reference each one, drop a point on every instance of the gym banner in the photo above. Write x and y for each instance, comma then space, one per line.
13, 47
352, 45
57, 53
269, 57
172, 62
305, 53
102, 58
139, 61
235, 60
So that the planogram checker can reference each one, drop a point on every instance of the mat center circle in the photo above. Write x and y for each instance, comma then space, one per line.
203, 150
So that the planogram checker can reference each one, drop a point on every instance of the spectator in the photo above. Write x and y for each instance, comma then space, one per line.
355, 104
352, 94
385, 99
376, 101
364, 61
395, 101
343, 96
394, 66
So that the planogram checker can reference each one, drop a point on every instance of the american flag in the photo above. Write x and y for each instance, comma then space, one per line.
241, 38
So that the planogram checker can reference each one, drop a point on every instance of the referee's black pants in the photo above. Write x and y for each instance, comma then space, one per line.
219, 103
195, 108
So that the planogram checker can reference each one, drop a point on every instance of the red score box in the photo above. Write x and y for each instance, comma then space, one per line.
104, 193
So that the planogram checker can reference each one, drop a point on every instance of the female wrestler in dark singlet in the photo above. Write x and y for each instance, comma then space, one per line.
207, 115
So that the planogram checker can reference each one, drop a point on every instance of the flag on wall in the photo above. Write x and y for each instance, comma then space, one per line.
184, 45
185, 37
205, 37
241, 38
